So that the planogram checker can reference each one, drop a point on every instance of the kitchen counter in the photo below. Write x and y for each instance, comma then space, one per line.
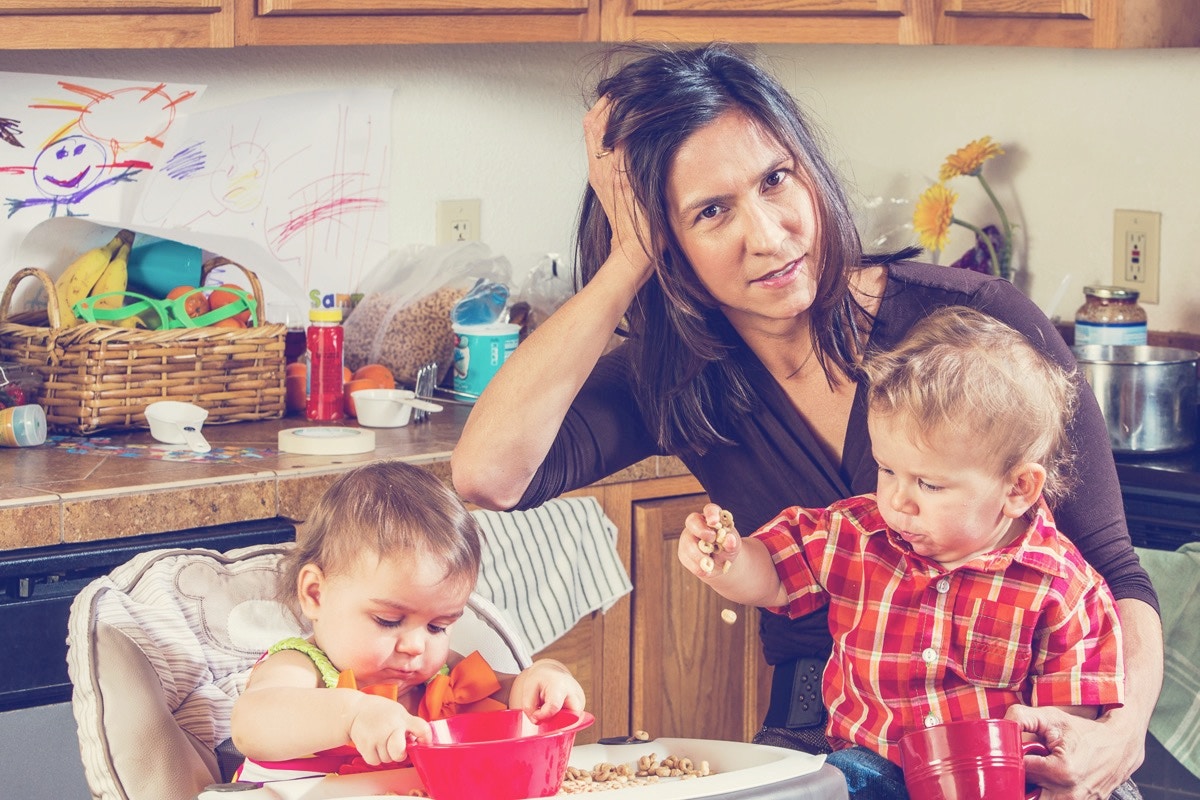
118, 484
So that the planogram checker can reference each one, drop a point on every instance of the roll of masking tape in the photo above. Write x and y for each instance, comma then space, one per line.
326, 441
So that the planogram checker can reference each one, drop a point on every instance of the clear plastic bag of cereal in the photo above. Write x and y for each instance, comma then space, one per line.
402, 319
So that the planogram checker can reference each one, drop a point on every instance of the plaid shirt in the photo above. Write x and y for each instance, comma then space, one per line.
915, 645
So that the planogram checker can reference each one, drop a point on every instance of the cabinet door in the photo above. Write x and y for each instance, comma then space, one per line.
596, 650
802, 21
317, 22
693, 674
87, 24
1071, 23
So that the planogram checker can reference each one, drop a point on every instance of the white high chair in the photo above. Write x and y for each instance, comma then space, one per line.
159, 649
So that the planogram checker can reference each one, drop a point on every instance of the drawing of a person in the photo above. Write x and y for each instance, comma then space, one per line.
69, 170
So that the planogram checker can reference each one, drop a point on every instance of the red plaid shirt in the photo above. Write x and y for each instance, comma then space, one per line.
915, 645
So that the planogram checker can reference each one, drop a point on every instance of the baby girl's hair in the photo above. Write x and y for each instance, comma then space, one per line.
390, 509
960, 372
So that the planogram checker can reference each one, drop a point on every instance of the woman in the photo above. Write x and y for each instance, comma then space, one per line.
744, 334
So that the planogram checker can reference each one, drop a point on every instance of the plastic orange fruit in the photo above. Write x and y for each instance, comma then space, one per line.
348, 393
195, 305
296, 368
347, 375
218, 298
376, 372
296, 394
228, 322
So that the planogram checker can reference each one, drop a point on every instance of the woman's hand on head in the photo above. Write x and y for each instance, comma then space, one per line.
545, 688
608, 176
380, 730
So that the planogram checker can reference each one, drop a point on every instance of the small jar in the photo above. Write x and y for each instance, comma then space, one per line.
1110, 315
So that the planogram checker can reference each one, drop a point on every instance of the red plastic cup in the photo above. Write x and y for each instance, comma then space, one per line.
968, 760
499, 755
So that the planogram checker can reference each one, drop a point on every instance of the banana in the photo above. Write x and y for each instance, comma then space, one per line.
114, 279
77, 282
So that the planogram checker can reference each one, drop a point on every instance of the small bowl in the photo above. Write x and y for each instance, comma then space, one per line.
387, 408
174, 422
499, 755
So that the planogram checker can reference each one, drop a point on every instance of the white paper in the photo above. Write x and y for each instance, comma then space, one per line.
294, 188
76, 148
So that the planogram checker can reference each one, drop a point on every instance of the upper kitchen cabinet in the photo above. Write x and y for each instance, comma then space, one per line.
317, 22
87, 24
1070, 23
769, 21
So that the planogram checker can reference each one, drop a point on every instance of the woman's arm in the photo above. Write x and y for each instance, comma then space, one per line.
514, 422
1091, 758
516, 419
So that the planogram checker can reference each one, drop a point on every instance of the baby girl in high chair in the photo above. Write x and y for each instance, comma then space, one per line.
385, 567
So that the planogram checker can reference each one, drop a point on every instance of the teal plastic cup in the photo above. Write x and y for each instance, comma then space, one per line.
156, 266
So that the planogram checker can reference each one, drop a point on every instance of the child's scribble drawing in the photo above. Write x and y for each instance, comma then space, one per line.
292, 187
75, 147
10, 129
302, 177
66, 172
95, 133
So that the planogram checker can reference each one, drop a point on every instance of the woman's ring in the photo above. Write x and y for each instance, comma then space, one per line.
602, 153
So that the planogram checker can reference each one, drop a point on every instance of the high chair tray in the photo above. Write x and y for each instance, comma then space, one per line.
741, 771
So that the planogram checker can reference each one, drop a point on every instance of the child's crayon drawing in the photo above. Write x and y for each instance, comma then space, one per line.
75, 147
301, 177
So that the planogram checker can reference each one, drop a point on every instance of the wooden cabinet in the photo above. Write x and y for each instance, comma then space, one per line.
694, 675
661, 659
318, 22
117, 24
65, 24
799, 21
1070, 23
1047, 23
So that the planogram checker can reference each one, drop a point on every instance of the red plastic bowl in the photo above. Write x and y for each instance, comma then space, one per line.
497, 755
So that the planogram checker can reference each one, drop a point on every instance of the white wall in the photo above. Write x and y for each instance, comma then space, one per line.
1085, 133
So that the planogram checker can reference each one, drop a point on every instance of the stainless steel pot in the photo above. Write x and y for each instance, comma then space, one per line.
1147, 394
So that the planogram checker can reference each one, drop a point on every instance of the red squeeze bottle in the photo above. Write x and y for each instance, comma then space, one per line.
324, 340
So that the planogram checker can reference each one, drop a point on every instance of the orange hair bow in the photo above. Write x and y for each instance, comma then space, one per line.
468, 688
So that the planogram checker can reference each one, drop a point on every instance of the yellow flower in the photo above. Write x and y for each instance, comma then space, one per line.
968, 160
933, 215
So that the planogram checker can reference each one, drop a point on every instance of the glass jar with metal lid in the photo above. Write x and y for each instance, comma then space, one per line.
1110, 315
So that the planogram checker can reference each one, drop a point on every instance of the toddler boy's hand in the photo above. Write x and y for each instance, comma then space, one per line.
709, 543
545, 688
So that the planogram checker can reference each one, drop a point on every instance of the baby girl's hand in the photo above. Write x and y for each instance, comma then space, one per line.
380, 729
545, 688
709, 543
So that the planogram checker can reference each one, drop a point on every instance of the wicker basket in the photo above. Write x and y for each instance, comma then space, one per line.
102, 377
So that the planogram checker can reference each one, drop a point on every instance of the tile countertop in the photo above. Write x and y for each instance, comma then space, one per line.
113, 487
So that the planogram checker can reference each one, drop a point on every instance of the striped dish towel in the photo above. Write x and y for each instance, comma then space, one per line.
1176, 719
549, 567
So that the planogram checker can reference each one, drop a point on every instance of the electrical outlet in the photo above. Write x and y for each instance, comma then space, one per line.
1136, 236
457, 221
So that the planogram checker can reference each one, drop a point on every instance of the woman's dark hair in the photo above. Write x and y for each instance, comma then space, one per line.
679, 339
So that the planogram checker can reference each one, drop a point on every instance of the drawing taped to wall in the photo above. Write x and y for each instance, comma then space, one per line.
295, 186
90, 135
75, 147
